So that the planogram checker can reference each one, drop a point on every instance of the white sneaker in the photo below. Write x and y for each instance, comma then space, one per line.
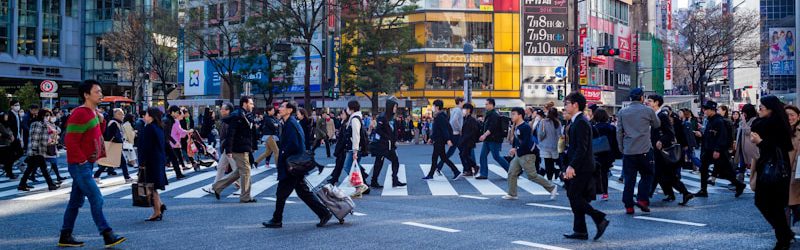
509, 197
553, 193
128, 181
97, 180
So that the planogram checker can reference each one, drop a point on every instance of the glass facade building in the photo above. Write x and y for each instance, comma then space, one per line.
778, 29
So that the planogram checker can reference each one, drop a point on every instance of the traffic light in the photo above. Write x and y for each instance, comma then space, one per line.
606, 51
560, 94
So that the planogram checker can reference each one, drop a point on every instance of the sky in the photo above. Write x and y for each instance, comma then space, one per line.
679, 4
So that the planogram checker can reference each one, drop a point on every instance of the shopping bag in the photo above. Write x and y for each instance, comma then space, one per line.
355, 175
113, 155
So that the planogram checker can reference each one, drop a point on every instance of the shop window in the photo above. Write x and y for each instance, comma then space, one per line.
451, 76
51, 28
4, 25
452, 35
453, 4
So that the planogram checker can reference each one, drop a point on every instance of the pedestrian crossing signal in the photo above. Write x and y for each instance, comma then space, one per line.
606, 51
560, 94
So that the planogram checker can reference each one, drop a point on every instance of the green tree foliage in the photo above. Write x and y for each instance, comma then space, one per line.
375, 39
28, 95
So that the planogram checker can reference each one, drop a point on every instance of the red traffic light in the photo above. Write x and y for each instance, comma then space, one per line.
613, 52
606, 51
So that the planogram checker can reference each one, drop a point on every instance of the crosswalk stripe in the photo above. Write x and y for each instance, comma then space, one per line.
120, 188
522, 183
109, 182
345, 185
183, 183
670, 221
537, 245
388, 190
35, 189
485, 187
198, 192
315, 178
262, 185
440, 185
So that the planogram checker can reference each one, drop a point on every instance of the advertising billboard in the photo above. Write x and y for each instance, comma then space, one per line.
194, 78
623, 41
544, 24
782, 47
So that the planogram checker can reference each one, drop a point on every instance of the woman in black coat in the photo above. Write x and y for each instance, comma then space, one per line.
307, 124
606, 160
152, 159
769, 133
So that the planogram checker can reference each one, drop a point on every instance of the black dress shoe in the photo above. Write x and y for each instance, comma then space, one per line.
701, 193
398, 184
601, 229
53, 187
375, 185
248, 201
577, 236
686, 198
324, 220
23, 188
740, 189
366, 192
670, 198
272, 224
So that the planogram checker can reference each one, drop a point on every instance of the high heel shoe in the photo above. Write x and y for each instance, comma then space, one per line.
157, 218
163, 208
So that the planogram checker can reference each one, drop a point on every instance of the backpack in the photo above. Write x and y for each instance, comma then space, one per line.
363, 143
505, 124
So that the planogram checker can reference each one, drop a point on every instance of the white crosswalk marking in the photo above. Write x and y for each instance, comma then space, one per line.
522, 183
198, 192
262, 185
39, 187
485, 187
120, 188
388, 190
107, 183
345, 185
440, 185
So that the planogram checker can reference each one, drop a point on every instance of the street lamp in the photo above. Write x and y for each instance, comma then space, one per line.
468, 48
324, 65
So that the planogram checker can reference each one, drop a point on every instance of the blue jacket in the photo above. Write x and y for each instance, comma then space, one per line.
441, 128
522, 139
292, 138
152, 155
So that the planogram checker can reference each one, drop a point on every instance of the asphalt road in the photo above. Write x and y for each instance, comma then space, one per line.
441, 214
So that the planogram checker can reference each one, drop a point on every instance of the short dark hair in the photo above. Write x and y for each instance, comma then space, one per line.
83, 89
13, 102
244, 99
459, 100
353, 105
302, 112
173, 109
491, 100
268, 109
290, 105
156, 114
468, 106
518, 110
600, 115
33, 106
438, 103
656, 98
577, 97
227, 106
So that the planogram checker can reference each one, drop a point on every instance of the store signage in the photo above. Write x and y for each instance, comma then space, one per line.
592, 94
458, 58
48, 86
545, 26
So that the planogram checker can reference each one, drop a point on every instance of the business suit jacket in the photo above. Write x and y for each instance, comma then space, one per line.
580, 158
292, 143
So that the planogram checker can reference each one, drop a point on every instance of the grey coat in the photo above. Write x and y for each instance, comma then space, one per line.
548, 135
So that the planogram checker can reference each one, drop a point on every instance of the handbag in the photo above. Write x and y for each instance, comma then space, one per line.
355, 175
113, 155
774, 170
142, 193
52, 150
300, 164
600, 145
673, 153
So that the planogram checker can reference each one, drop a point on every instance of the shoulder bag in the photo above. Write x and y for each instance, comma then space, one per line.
141, 192
300, 164
774, 170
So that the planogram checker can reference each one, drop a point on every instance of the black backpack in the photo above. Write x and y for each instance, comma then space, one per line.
505, 124
363, 143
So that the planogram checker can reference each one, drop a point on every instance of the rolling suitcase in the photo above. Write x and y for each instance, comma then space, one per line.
339, 203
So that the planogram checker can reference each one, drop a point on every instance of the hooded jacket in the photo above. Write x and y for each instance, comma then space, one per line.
387, 139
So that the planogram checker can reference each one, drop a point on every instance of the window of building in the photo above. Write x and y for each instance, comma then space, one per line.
26, 33
5, 17
453, 34
451, 76
51, 28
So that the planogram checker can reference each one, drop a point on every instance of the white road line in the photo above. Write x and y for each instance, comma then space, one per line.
537, 245
262, 185
120, 188
388, 190
440, 185
443, 229
549, 206
485, 187
315, 178
275, 199
39, 187
107, 183
198, 192
670, 221
522, 182
183, 183
473, 197
359, 214
345, 185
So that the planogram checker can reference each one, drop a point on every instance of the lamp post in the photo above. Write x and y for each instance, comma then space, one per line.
468, 48
324, 60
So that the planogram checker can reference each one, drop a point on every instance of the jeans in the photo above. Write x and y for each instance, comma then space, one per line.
54, 166
456, 139
84, 186
494, 148
643, 165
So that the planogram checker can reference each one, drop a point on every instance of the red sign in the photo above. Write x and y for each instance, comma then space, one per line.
623, 34
669, 14
331, 15
591, 94
668, 66
598, 60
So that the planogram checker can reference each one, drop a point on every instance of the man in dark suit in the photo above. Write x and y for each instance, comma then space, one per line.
292, 143
441, 136
581, 171
10, 154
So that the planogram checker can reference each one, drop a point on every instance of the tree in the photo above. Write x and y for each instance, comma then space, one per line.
162, 54
28, 94
377, 36
263, 35
300, 19
128, 42
709, 37
4, 101
219, 42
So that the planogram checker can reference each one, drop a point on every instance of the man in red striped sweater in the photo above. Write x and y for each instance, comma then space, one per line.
84, 141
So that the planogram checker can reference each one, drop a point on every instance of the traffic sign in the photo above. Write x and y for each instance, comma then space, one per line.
561, 72
550, 88
48, 95
48, 86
